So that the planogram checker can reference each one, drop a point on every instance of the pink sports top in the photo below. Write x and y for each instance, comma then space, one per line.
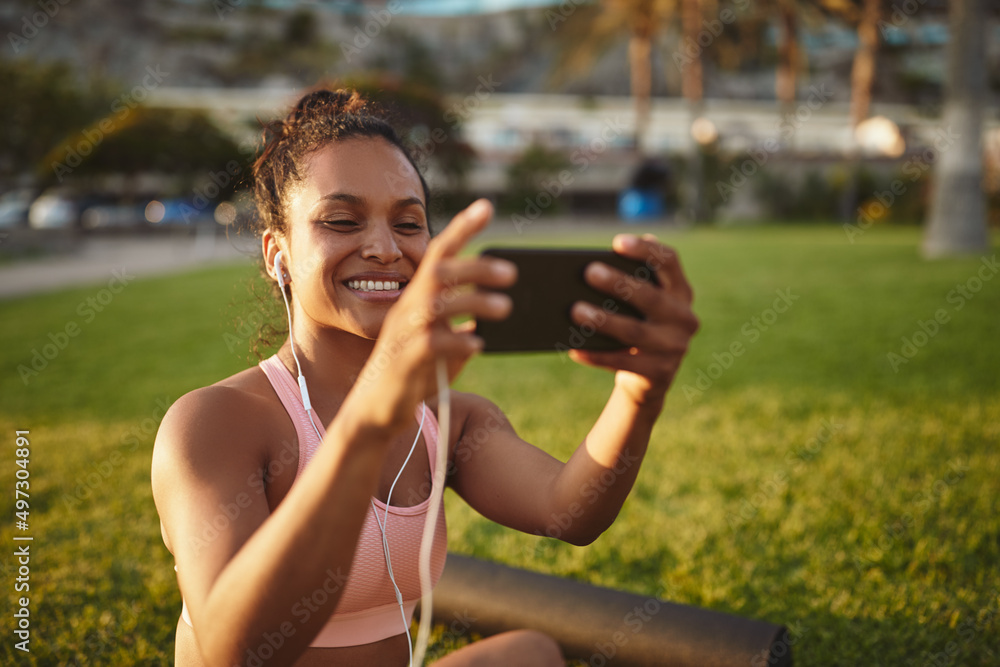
367, 611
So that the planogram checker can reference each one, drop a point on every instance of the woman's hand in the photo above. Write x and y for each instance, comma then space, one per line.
417, 330
656, 346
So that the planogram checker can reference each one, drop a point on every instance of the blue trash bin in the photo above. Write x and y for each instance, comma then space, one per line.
636, 205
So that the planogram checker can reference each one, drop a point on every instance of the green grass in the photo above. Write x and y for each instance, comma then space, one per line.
809, 483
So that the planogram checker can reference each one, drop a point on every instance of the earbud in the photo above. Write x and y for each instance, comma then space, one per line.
277, 269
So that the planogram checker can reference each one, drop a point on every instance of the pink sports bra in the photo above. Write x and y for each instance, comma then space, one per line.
367, 610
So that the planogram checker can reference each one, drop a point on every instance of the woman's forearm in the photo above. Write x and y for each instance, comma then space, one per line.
594, 483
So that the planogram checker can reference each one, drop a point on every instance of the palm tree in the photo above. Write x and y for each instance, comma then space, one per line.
957, 220
866, 18
863, 69
693, 90
591, 30
788, 53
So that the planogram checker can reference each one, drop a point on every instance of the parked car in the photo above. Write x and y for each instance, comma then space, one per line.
61, 209
14, 207
113, 215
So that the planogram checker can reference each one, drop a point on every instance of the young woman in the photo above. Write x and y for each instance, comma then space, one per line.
284, 563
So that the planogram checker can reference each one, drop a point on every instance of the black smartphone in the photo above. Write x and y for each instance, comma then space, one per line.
549, 282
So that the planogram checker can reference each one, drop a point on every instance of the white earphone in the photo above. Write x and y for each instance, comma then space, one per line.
306, 403
277, 269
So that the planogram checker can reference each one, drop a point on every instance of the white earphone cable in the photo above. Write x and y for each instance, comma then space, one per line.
430, 525
383, 525
417, 653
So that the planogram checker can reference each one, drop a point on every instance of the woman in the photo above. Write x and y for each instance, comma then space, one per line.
276, 572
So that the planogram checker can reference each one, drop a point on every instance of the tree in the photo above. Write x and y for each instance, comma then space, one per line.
43, 104
863, 69
957, 220
788, 54
590, 31
432, 130
865, 15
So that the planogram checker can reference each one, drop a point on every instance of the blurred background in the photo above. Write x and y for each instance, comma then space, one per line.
137, 115
829, 171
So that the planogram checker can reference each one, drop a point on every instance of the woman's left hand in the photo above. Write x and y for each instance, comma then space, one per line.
656, 345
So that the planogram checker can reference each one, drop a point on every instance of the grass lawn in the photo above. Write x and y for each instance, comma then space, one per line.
833, 466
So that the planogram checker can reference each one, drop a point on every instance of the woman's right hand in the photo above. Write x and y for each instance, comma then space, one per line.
417, 330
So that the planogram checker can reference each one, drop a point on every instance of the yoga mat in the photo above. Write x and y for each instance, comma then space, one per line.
601, 626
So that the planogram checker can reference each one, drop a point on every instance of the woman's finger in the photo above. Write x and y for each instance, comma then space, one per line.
653, 367
481, 305
658, 258
668, 337
630, 287
490, 272
462, 228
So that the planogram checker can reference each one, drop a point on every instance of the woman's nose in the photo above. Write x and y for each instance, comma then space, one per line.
380, 243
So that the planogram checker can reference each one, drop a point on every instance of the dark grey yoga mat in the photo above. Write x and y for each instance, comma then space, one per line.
601, 626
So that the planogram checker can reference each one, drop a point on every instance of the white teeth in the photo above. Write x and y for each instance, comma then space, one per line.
374, 285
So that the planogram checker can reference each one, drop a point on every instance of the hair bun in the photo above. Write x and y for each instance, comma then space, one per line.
328, 102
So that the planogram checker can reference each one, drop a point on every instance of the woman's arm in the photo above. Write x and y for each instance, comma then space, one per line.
244, 571
514, 483
258, 577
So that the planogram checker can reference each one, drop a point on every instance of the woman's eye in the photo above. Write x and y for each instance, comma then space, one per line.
410, 226
340, 223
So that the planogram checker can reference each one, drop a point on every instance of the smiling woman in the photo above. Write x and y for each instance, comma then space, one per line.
313, 564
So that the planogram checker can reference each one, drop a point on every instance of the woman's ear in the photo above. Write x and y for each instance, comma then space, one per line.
270, 248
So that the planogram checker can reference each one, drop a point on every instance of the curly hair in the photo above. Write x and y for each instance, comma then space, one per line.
322, 116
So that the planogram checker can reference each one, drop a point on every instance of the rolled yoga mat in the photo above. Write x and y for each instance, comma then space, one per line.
601, 626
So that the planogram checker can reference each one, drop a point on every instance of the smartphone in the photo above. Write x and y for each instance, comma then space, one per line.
549, 282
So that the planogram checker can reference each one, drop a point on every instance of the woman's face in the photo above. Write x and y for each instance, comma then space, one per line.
357, 229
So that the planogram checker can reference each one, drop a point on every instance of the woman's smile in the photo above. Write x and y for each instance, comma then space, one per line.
376, 286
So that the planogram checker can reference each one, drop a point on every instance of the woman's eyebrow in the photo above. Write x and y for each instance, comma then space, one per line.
355, 200
345, 197
410, 201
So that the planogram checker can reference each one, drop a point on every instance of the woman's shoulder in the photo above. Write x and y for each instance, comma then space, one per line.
233, 414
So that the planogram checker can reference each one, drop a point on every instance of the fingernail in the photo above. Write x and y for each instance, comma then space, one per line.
598, 271
498, 301
504, 269
630, 241
479, 208
586, 310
